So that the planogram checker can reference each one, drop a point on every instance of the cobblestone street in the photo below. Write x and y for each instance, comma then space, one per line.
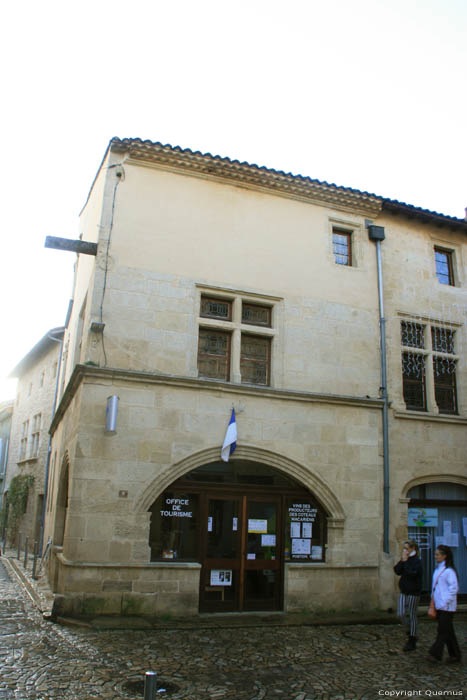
41, 660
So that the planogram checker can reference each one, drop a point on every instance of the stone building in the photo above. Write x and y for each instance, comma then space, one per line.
6, 412
219, 285
32, 412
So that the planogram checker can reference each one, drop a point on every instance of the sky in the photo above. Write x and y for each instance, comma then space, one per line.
369, 94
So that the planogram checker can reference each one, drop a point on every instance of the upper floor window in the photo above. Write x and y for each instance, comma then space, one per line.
36, 428
214, 354
444, 266
216, 308
429, 365
342, 246
235, 338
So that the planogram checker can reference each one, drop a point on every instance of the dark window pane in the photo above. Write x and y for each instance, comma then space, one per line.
413, 381
254, 359
341, 246
444, 370
173, 529
216, 308
412, 334
256, 315
443, 261
214, 354
442, 339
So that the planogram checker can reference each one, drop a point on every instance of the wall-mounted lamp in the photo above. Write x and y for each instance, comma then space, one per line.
111, 415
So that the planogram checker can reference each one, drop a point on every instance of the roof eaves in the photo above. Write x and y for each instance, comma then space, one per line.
37, 351
295, 185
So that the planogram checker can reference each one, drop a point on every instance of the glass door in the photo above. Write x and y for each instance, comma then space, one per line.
221, 562
262, 575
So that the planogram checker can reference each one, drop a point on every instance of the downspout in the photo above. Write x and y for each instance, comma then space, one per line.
376, 234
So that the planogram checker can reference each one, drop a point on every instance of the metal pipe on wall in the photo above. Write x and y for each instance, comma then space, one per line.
376, 234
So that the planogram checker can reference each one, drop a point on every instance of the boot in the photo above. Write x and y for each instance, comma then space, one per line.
411, 644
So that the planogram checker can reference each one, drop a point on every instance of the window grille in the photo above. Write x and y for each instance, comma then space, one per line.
442, 339
254, 359
214, 354
413, 373
412, 334
216, 308
256, 315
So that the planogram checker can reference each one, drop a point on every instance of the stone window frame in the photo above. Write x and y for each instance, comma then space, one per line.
352, 229
429, 354
23, 445
236, 328
449, 263
36, 429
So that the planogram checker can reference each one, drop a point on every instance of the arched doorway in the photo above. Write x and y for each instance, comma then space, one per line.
438, 515
242, 521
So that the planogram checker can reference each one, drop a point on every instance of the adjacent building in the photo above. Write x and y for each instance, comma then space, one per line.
213, 286
28, 450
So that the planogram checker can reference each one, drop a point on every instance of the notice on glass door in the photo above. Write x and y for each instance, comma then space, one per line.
234, 524
210, 524
268, 540
294, 529
301, 546
307, 529
221, 577
257, 525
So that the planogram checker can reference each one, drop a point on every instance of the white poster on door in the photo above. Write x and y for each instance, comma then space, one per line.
259, 526
301, 546
221, 577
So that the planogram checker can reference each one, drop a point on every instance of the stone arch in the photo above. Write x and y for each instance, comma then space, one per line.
432, 479
61, 503
296, 470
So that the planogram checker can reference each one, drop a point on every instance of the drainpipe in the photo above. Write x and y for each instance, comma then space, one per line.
376, 234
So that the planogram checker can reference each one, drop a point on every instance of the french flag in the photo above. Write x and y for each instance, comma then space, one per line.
230, 440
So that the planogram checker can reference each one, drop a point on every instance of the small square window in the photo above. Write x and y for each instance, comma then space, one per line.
444, 268
342, 247
256, 315
216, 308
442, 339
412, 334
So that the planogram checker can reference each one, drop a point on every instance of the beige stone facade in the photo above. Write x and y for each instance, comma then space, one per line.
173, 228
32, 413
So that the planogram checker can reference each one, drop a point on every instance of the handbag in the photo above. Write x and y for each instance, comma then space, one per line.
432, 614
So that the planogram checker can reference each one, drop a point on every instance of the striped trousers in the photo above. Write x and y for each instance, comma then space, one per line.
407, 612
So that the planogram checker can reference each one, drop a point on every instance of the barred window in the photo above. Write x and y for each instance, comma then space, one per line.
254, 359
214, 354
444, 370
256, 315
211, 307
413, 373
412, 334
437, 358
442, 339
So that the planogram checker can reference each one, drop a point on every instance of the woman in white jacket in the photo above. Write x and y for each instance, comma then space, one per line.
444, 591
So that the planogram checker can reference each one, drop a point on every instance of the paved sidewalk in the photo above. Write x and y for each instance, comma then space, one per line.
41, 660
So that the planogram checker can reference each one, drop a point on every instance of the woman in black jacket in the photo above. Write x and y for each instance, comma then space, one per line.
410, 570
